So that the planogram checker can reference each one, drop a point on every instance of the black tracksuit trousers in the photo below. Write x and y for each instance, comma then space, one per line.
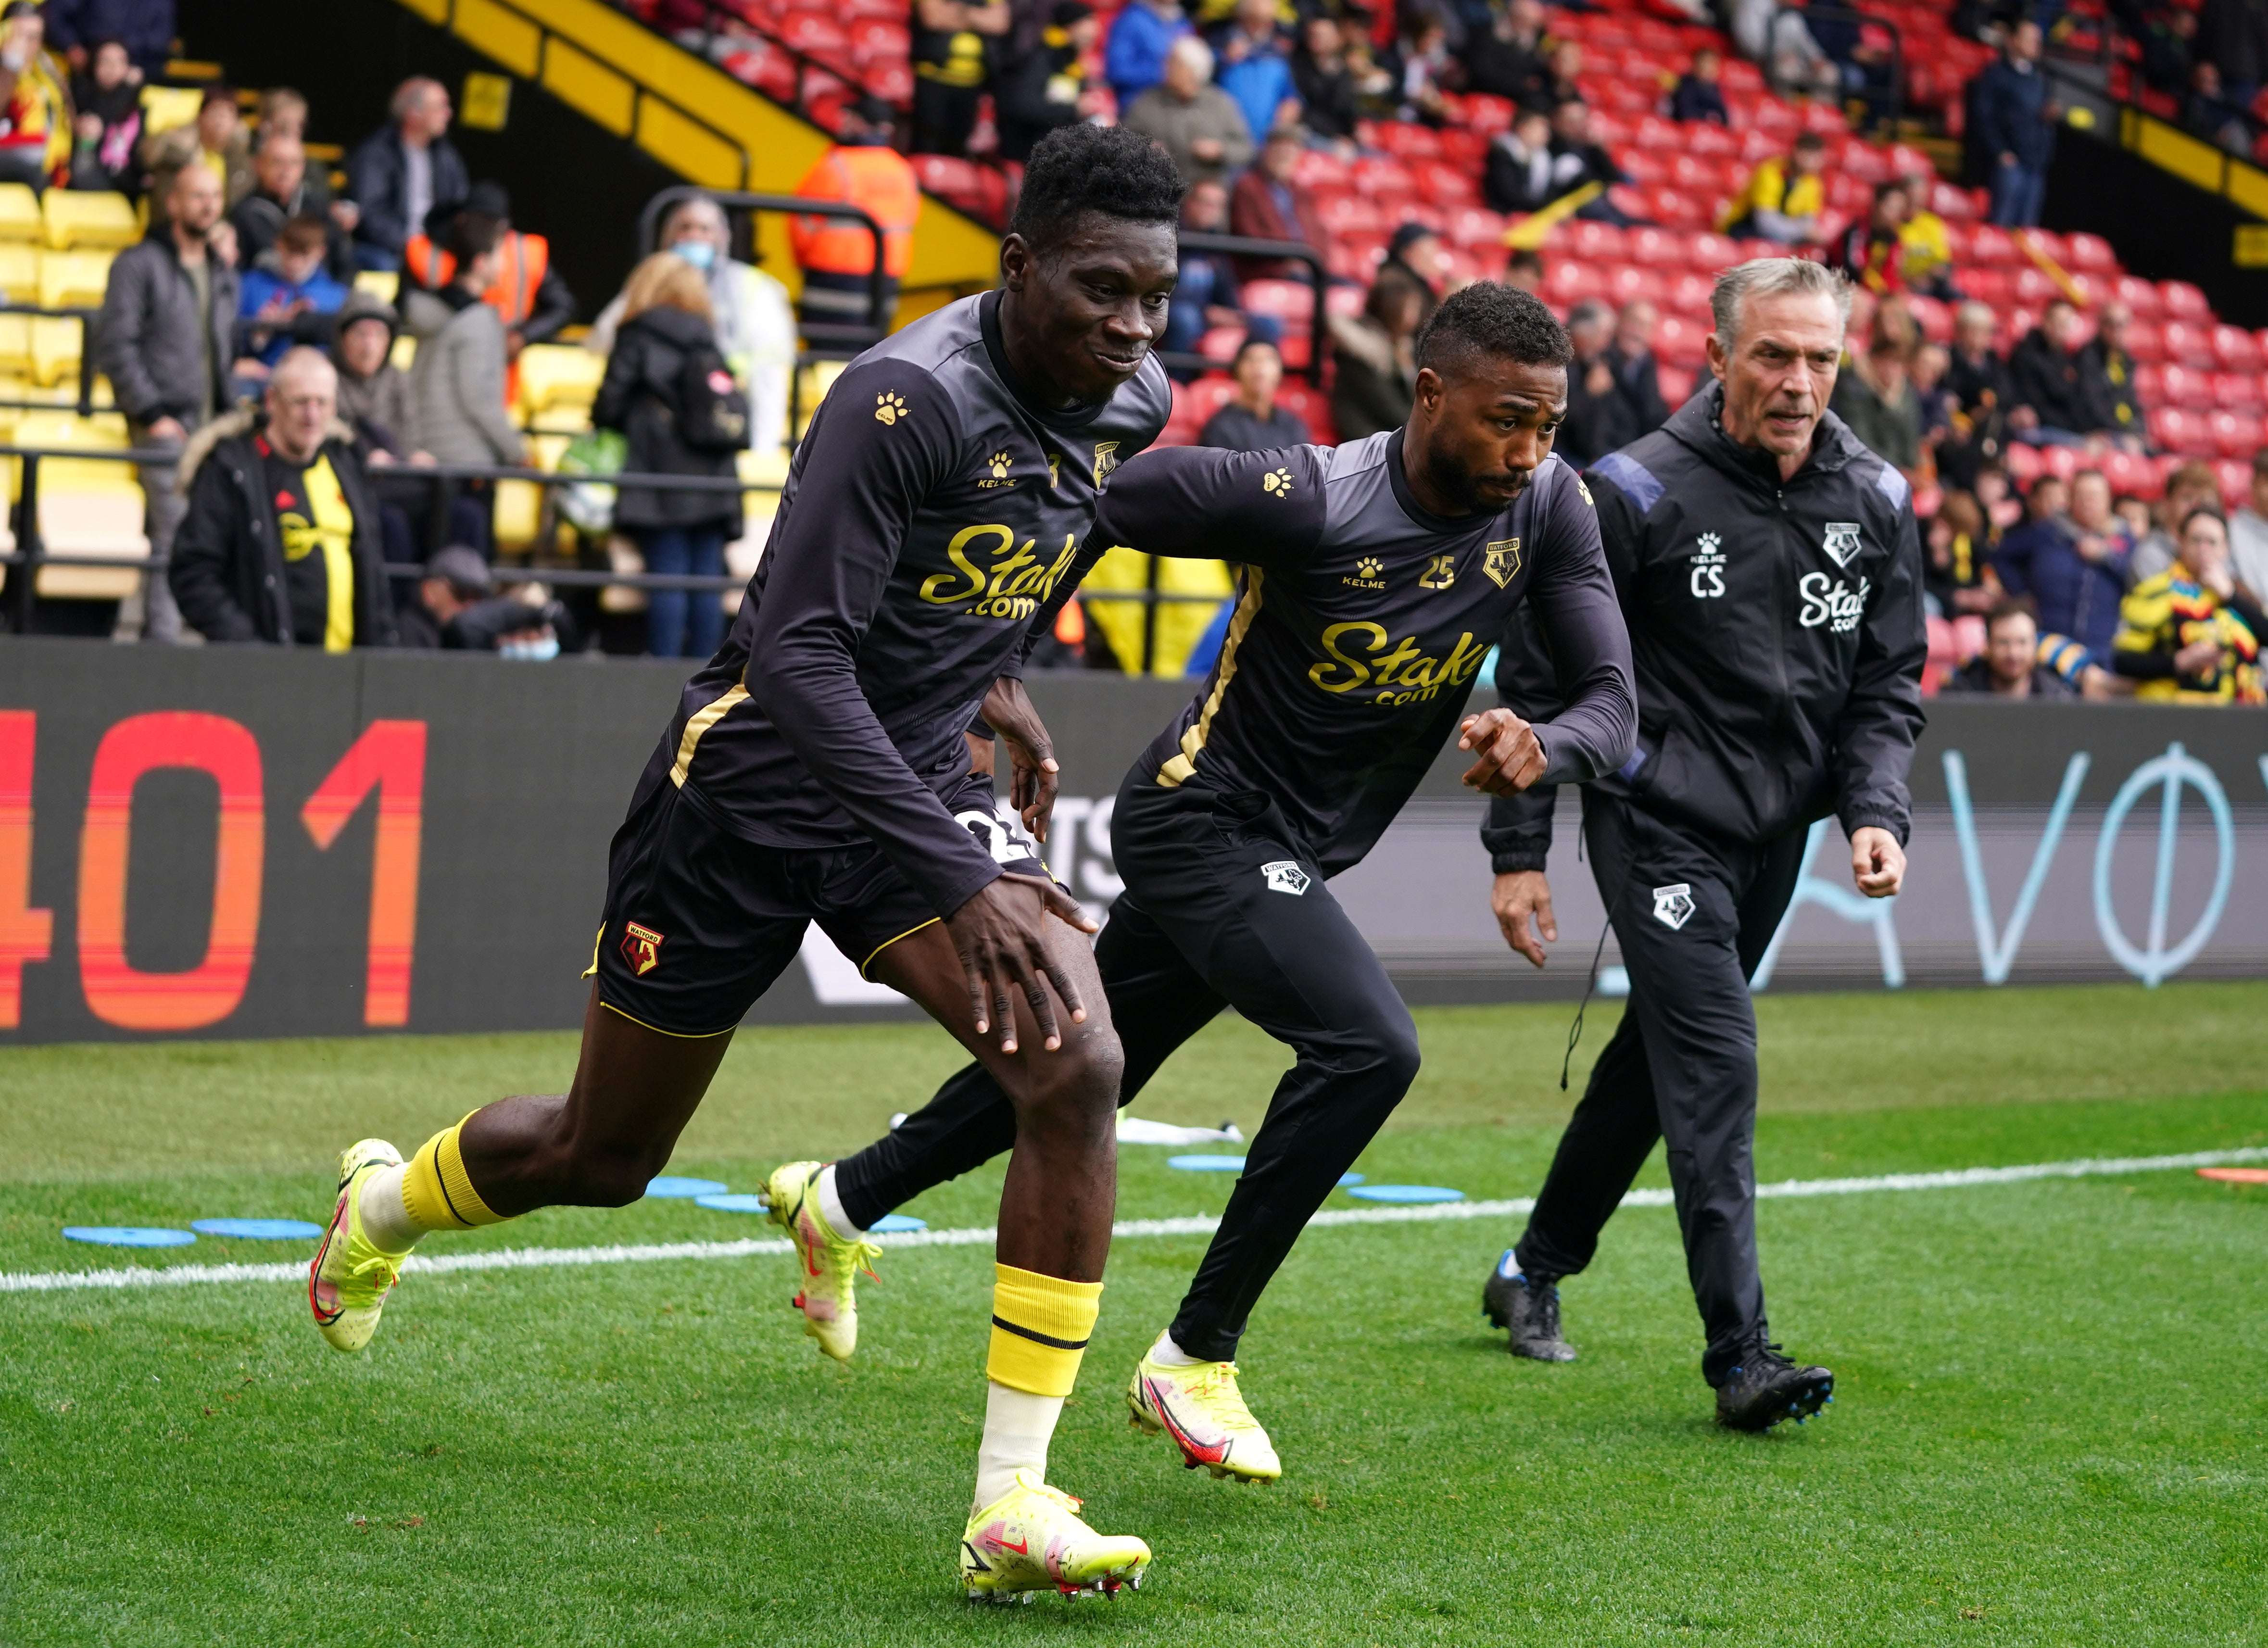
1221, 909
1693, 918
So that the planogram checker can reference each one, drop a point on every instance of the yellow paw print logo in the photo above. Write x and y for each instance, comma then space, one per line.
999, 462
1368, 567
1276, 482
888, 406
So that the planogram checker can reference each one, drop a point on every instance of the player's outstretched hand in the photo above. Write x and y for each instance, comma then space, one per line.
1032, 766
1877, 864
1519, 896
1510, 754
1001, 935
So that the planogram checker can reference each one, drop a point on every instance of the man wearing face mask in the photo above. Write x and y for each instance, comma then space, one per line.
754, 317
1770, 571
836, 255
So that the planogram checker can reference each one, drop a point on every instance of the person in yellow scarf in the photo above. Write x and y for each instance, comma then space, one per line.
35, 106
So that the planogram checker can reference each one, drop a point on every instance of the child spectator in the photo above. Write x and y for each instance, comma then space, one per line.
109, 124
1699, 95
285, 295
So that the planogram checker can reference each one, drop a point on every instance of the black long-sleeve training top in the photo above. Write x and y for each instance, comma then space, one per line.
1361, 621
931, 510
1777, 628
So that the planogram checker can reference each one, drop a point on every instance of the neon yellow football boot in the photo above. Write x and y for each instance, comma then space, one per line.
1201, 1408
828, 1299
1031, 1539
348, 1283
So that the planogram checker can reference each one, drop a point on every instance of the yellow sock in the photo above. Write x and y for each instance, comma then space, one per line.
436, 1191
1041, 1325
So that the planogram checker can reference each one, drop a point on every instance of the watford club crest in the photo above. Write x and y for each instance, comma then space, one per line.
1106, 459
641, 948
1672, 905
1501, 561
1841, 542
1283, 875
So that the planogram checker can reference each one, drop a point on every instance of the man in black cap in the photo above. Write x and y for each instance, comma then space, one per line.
457, 608
527, 290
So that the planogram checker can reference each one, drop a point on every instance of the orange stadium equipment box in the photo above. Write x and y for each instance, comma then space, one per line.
237, 841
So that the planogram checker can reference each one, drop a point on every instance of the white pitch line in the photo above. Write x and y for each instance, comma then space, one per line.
1199, 1225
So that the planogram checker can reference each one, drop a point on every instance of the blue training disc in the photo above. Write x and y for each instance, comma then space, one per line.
1206, 1164
892, 1223
1346, 1178
258, 1228
1406, 1192
739, 1201
667, 1186
127, 1236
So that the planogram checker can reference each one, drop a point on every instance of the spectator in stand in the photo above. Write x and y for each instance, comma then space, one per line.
1417, 259
285, 296
1957, 575
457, 380
373, 394
1926, 371
1785, 199
456, 608
280, 544
1047, 86
1269, 203
1859, 51
402, 171
2047, 381
2191, 634
2193, 486
1418, 69
2074, 565
2232, 36
282, 112
77, 28
1601, 418
1579, 162
1252, 422
1325, 82
1506, 59
1524, 271
1878, 401
2107, 376
283, 187
1255, 67
1636, 370
36, 136
528, 293
1206, 296
2169, 42
1561, 79
1777, 40
753, 315
2210, 114
216, 139
1927, 258
2013, 121
1870, 253
108, 129
1699, 94
836, 255
956, 45
1194, 121
2009, 666
2248, 534
164, 342
1976, 377
1521, 173
1376, 372
666, 324
1134, 61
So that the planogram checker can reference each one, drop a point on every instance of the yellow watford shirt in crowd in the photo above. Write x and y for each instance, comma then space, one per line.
316, 526
1775, 186
2162, 615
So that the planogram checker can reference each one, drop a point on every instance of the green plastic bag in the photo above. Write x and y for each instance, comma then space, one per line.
588, 506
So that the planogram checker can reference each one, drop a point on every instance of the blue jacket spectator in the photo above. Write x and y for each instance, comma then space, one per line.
2074, 567
146, 28
285, 296
2013, 123
1135, 58
1254, 66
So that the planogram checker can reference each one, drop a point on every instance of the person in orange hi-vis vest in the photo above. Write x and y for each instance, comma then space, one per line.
836, 255
528, 292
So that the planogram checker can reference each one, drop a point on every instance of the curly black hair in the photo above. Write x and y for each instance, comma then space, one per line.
1487, 319
1108, 169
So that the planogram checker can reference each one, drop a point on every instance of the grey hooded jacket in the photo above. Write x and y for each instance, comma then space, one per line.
147, 340
457, 382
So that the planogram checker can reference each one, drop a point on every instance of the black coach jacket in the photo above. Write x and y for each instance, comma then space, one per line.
227, 571
1776, 629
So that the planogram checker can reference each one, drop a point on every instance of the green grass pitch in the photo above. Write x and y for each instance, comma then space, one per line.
2050, 1424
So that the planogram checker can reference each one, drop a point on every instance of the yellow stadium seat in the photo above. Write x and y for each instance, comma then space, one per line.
383, 284
91, 509
404, 354
16, 345
558, 375
105, 431
56, 342
168, 107
519, 514
19, 213
19, 272
813, 383
77, 218
73, 280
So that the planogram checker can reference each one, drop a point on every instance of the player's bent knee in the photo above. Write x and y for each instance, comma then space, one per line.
612, 1178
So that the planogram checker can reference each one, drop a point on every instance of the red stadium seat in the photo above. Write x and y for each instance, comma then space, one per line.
1941, 643
1985, 285
2189, 342
2236, 349
1406, 139
1647, 169
1567, 282
2033, 286
1383, 177
1677, 382
1705, 137
977, 189
1445, 185
1285, 300
1682, 342
1313, 408
1345, 215
891, 80
1710, 252
1935, 319
2090, 254
1475, 226
1195, 402
1487, 115
2140, 295
2235, 477
2062, 462
1995, 248
879, 37
1656, 247
2129, 476
1591, 242
817, 32
1319, 169
2149, 384
1687, 293
2184, 301
1626, 283
2146, 341
1464, 148
2179, 430
2051, 246
2235, 434
2187, 388
2238, 391
2022, 463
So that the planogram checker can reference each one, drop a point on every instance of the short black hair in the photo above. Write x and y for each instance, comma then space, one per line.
1079, 169
2012, 606
1493, 320
474, 234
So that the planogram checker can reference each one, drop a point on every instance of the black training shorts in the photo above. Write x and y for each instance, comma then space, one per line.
699, 921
